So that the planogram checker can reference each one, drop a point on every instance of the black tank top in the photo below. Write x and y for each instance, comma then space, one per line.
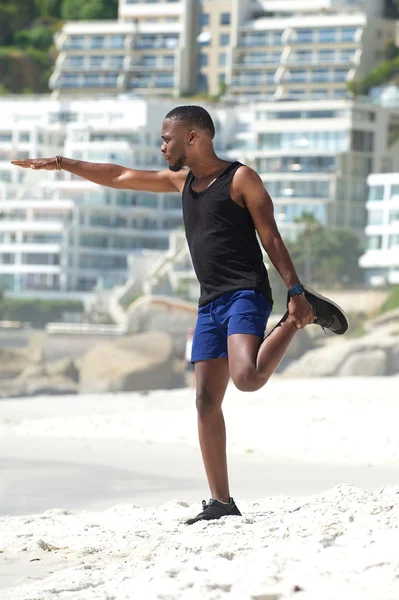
222, 240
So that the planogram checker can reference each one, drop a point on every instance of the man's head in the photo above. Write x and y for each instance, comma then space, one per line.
185, 131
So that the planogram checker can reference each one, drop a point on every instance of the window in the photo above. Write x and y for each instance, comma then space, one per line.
394, 241
97, 41
224, 39
222, 79
222, 59
305, 36
203, 59
328, 35
376, 192
363, 141
203, 82
374, 242
394, 216
204, 19
375, 217
394, 191
349, 34
225, 19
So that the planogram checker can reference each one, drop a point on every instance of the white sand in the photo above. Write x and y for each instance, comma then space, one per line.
339, 544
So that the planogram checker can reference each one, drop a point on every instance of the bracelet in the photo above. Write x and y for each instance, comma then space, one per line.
58, 163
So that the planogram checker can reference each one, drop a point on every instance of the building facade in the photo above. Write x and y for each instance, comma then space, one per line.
60, 232
315, 157
243, 49
381, 259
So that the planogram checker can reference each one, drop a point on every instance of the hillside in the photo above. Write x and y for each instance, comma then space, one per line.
27, 51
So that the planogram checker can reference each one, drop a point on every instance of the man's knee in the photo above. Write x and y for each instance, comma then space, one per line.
206, 402
248, 380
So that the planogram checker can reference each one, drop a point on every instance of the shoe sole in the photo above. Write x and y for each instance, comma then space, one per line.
311, 291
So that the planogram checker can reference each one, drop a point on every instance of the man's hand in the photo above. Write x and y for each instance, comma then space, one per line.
44, 164
300, 311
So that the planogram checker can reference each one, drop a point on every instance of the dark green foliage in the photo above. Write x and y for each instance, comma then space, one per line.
37, 312
27, 52
73, 10
393, 300
382, 73
323, 258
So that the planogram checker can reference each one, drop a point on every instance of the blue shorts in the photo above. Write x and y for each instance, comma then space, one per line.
244, 311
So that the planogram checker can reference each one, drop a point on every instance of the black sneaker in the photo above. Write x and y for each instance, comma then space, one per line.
327, 314
214, 510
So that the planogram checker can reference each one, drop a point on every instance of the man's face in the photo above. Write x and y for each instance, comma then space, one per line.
175, 139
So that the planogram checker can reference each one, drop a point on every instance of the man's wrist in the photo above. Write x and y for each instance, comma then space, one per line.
296, 290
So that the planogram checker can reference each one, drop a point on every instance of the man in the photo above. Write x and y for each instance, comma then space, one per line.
224, 205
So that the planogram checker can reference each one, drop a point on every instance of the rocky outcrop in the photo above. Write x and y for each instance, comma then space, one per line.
163, 314
132, 363
368, 356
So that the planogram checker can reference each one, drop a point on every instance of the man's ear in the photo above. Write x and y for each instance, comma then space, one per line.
192, 137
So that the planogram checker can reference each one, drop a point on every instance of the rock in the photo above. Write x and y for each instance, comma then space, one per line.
370, 355
65, 368
56, 385
163, 313
14, 361
368, 363
132, 363
321, 362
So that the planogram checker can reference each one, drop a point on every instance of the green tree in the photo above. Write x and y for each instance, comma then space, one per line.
391, 50
73, 10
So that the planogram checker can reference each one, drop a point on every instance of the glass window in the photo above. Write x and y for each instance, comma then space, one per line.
328, 35
394, 216
394, 241
375, 217
349, 34
394, 190
97, 41
224, 39
327, 56
222, 59
204, 19
376, 192
305, 36
225, 19
375, 242
203, 59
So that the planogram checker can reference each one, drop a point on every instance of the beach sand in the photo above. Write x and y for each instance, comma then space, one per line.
95, 489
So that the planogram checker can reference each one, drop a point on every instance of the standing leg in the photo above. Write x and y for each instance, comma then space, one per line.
212, 378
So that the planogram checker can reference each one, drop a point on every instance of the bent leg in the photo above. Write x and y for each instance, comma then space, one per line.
212, 378
252, 361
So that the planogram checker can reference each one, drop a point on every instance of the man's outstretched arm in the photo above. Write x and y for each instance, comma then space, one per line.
111, 175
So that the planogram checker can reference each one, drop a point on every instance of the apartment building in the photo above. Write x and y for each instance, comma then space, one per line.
248, 50
59, 232
315, 157
381, 259
305, 50
147, 51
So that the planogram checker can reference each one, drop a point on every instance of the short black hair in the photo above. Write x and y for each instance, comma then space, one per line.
193, 115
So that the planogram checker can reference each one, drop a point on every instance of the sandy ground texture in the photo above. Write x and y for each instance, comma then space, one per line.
339, 543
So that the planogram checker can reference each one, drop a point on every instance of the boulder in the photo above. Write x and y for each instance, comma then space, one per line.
372, 363
163, 314
370, 355
56, 385
132, 363
14, 361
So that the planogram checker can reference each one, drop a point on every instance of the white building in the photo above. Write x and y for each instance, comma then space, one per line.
247, 49
315, 157
147, 50
381, 259
305, 49
59, 232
